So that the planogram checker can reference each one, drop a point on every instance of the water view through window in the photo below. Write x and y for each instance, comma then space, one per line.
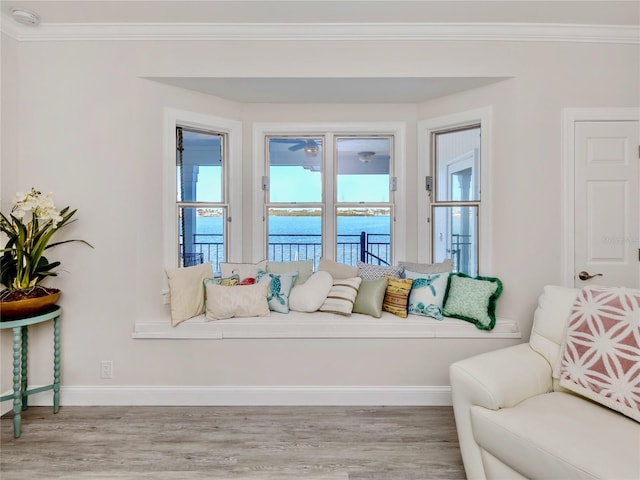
344, 190
201, 196
304, 199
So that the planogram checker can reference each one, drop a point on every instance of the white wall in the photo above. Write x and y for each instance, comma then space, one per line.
80, 122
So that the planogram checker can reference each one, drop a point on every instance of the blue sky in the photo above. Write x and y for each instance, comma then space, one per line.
295, 184
287, 183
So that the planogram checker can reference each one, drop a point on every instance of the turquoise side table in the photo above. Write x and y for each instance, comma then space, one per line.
21, 391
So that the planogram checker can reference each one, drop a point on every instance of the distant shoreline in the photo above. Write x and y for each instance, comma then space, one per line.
289, 212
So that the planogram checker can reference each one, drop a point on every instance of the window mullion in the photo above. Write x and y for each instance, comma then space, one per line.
329, 182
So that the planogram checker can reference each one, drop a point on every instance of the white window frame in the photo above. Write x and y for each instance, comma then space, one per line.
261, 130
233, 130
426, 129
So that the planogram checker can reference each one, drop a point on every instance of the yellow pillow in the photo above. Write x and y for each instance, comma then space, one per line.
396, 296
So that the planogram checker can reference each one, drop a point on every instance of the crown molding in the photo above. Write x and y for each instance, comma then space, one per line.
529, 32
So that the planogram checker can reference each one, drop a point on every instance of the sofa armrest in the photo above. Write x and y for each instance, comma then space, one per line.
502, 378
498, 379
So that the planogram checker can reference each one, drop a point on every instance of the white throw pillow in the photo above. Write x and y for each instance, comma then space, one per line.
187, 291
309, 296
239, 301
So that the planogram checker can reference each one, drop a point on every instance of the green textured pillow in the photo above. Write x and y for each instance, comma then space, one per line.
472, 299
370, 297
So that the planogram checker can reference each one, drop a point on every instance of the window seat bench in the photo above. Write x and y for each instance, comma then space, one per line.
321, 325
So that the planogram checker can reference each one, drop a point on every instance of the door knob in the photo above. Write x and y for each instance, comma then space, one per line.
586, 276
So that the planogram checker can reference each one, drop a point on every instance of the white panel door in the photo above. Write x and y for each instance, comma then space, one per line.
607, 203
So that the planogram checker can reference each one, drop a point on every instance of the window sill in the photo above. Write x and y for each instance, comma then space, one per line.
321, 325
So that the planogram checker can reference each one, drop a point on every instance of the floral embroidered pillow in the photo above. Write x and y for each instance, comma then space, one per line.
279, 289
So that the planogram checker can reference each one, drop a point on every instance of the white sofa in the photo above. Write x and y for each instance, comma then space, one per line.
514, 420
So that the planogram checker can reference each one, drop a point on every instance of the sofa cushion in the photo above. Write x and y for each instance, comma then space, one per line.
549, 321
560, 435
600, 352
309, 296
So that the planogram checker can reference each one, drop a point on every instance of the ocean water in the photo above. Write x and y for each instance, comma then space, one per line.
299, 238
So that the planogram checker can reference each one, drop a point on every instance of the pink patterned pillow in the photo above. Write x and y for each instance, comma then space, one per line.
600, 352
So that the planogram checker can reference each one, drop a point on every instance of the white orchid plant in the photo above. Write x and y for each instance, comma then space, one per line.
29, 227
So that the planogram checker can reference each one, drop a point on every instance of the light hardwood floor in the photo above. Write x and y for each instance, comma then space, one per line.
256, 443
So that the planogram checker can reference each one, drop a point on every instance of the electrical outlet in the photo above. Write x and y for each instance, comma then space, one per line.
106, 369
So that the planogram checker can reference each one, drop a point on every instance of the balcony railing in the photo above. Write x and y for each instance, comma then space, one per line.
367, 247
373, 248
461, 252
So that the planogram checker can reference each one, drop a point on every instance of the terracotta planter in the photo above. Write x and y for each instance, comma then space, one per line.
28, 306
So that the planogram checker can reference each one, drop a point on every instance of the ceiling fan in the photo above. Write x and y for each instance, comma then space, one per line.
298, 143
310, 146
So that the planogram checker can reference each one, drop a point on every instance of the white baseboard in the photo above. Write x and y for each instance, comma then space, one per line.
93, 395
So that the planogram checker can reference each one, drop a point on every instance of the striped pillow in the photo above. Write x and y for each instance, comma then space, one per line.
396, 297
342, 296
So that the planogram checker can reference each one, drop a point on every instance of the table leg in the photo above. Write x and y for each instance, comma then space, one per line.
17, 394
56, 364
25, 367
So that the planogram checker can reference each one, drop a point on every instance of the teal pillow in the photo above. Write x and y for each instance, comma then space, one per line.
370, 297
427, 293
279, 290
472, 299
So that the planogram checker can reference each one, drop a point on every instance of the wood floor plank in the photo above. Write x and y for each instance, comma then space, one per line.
252, 443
